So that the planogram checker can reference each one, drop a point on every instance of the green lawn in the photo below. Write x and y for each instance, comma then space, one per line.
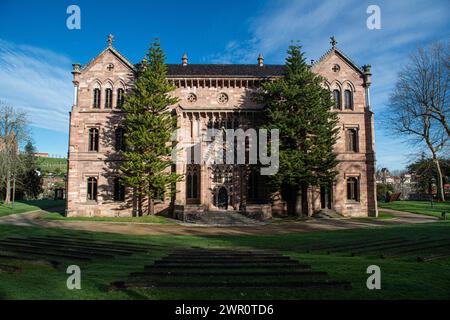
401, 278
381, 216
143, 219
52, 165
31, 205
420, 207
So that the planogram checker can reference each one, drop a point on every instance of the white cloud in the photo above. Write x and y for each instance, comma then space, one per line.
405, 24
37, 81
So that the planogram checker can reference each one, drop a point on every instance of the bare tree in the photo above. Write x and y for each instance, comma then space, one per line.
13, 132
419, 103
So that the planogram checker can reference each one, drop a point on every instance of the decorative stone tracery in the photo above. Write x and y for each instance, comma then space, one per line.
222, 98
191, 98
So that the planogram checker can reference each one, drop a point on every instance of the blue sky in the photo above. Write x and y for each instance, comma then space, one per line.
37, 49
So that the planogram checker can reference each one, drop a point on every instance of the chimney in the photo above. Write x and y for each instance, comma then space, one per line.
260, 60
76, 68
75, 71
184, 59
368, 82
367, 74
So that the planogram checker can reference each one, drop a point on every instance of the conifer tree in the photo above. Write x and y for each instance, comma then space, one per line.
149, 125
300, 107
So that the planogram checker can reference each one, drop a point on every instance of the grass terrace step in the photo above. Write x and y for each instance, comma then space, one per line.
350, 244
123, 248
53, 263
9, 268
414, 250
226, 261
68, 245
218, 285
397, 246
223, 266
224, 254
227, 273
223, 279
103, 242
85, 252
45, 254
362, 246
433, 257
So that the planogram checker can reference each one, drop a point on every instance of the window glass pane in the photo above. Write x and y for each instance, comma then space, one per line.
337, 99
348, 100
92, 189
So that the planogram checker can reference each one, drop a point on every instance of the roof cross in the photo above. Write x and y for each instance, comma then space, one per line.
110, 40
333, 41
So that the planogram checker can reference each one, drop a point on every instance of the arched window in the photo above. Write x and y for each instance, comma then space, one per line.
97, 95
217, 174
229, 174
192, 185
120, 139
92, 189
352, 140
108, 98
348, 100
93, 139
337, 99
352, 189
119, 190
120, 98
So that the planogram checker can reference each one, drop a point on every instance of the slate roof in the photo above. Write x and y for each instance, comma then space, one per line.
237, 70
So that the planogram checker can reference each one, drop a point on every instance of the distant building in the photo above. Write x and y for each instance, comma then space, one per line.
41, 154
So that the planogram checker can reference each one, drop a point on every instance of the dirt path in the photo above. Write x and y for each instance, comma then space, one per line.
32, 219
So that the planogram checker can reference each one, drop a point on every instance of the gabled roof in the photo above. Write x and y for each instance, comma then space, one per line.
113, 51
228, 70
342, 55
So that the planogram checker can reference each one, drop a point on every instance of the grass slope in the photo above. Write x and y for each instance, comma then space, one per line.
420, 207
401, 278
31, 205
143, 219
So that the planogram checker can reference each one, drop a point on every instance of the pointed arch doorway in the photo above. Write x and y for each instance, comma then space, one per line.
222, 198
326, 199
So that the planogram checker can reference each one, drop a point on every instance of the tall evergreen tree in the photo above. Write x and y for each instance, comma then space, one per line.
300, 107
149, 125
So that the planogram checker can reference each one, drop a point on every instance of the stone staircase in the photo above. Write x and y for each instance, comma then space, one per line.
327, 214
221, 218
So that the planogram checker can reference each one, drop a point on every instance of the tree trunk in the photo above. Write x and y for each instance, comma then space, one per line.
298, 202
134, 212
305, 204
139, 213
440, 180
8, 189
151, 207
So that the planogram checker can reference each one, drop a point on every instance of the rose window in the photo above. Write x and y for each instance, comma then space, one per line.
222, 98
191, 98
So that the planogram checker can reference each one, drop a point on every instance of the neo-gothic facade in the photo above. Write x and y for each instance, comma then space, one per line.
213, 96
